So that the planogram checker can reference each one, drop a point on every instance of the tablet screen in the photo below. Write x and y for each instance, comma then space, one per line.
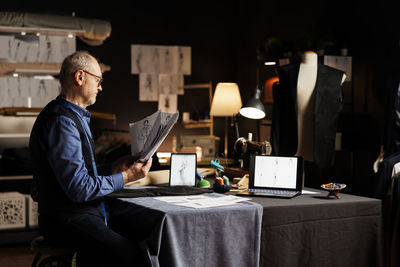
182, 169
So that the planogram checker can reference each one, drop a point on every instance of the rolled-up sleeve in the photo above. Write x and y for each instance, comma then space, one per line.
64, 154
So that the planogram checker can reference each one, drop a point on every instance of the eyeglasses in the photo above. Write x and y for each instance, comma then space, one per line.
94, 75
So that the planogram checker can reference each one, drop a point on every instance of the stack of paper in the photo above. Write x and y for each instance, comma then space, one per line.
148, 133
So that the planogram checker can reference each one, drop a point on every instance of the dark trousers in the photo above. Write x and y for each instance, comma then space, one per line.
96, 243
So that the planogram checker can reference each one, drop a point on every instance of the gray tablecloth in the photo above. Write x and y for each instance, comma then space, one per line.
180, 236
310, 230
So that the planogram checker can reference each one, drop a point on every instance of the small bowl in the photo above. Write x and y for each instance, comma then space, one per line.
333, 188
221, 188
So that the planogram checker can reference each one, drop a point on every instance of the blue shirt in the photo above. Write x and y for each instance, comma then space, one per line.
62, 142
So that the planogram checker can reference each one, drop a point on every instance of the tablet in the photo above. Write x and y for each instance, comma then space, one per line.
183, 169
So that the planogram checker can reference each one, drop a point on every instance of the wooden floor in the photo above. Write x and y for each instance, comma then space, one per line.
16, 256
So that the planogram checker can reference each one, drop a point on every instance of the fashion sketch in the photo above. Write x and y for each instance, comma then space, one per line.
183, 168
148, 87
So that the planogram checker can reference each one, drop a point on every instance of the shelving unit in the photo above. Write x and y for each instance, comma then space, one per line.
204, 123
16, 121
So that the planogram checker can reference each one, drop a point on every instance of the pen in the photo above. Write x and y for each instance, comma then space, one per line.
199, 175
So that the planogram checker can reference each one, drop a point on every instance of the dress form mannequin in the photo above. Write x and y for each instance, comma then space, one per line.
306, 82
305, 104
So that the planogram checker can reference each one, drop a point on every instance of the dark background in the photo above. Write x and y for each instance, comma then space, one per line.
224, 38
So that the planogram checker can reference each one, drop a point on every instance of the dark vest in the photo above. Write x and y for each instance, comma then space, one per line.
50, 195
328, 105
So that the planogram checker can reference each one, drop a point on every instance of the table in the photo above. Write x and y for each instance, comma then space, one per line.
180, 236
311, 230
308, 230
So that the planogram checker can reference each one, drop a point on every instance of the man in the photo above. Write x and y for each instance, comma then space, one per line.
70, 186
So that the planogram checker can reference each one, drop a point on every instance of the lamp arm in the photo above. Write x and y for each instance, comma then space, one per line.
235, 121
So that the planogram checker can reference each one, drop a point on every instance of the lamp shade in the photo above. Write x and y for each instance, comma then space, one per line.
226, 101
254, 108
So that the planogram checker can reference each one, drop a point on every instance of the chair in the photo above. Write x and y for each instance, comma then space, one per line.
53, 255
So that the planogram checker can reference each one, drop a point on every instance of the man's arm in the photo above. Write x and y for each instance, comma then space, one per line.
61, 140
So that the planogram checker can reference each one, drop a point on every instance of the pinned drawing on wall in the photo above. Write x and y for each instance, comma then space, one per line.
161, 71
53, 49
168, 103
27, 91
148, 87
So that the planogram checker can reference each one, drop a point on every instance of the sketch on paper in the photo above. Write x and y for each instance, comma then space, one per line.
183, 169
168, 103
144, 58
170, 83
6, 43
167, 54
148, 133
148, 87
43, 91
182, 60
3, 92
177, 81
53, 49
170, 63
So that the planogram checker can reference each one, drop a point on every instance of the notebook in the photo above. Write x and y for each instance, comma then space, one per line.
274, 176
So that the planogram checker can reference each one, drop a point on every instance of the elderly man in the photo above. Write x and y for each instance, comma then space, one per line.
70, 185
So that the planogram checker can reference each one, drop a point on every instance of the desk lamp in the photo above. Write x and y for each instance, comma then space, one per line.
254, 109
226, 103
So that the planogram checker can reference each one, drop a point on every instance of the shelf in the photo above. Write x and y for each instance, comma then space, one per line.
41, 30
33, 68
21, 111
16, 177
200, 124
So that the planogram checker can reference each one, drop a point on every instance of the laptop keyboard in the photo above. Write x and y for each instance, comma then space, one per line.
273, 191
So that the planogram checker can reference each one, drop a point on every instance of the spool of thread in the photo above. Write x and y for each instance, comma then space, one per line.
226, 180
203, 184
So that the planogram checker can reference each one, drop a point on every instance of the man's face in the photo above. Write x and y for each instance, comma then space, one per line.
91, 84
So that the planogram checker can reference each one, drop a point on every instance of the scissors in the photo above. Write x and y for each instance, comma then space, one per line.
215, 164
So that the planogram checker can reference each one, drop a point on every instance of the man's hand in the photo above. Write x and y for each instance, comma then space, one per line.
136, 171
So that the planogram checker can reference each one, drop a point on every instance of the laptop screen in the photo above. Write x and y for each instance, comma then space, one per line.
276, 172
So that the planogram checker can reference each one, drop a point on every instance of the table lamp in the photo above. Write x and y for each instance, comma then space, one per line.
253, 109
226, 103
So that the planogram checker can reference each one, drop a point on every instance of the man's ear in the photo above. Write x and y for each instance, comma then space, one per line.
79, 77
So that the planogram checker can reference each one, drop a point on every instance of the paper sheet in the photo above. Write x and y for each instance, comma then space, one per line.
201, 201
148, 133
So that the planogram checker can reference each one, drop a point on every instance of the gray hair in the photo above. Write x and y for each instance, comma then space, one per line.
80, 60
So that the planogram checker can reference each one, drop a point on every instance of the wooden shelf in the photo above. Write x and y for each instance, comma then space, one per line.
16, 177
193, 125
22, 111
33, 68
42, 30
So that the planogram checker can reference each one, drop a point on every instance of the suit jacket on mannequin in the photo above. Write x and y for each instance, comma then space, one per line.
328, 105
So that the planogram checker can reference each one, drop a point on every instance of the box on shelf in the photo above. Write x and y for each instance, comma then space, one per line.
12, 210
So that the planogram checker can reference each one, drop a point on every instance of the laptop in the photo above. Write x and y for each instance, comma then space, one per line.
274, 176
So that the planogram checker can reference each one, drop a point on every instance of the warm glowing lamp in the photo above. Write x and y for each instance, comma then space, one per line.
226, 103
